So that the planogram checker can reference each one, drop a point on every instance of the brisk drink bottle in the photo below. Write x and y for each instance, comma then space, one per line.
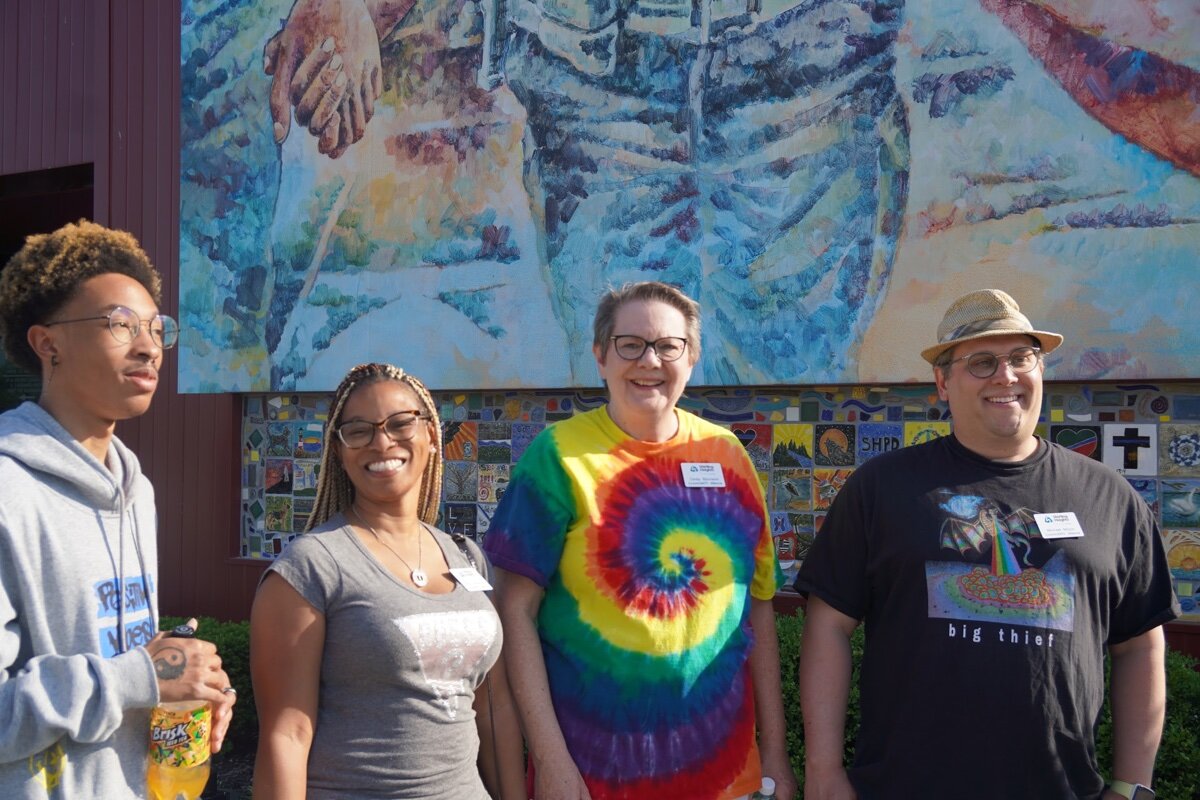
179, 762
180, 756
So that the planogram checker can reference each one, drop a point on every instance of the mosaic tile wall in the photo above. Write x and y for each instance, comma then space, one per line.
805, 443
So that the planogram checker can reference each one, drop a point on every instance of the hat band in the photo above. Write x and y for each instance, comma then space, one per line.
982, 326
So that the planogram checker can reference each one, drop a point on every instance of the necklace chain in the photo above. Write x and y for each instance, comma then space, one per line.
418, 576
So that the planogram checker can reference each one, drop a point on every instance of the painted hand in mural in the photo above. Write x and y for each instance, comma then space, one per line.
325, 65
318, 86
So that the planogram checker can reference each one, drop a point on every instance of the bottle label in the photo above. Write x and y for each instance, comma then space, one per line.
180, 738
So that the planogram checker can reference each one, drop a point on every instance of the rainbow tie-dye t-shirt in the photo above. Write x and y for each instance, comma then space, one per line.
645, 619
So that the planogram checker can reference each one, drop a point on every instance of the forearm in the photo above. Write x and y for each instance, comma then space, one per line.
526, 667
1139, 692
824, 693
764, 670
81, 697
1113, 21
768, 700
1162, 120
281, 766
501, 754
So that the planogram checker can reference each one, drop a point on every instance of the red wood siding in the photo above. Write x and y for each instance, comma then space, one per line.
98, 81
189, 444
52, 82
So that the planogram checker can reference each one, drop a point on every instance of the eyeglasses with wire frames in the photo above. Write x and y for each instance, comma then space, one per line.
632, 348
984, 365
399, 427
125, 325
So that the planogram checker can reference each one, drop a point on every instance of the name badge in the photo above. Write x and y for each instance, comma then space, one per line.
470, 579
1058, 525
698, 476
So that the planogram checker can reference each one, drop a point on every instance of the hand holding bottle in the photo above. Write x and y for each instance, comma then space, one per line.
180, 755
190, 669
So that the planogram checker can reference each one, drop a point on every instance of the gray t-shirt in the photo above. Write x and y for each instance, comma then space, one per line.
398, 673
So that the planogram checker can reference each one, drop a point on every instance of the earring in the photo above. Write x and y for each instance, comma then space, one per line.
54, 360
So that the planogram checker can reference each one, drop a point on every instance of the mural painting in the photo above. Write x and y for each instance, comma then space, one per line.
449, 185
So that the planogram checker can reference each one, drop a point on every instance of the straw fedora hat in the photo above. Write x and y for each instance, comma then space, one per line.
987, 312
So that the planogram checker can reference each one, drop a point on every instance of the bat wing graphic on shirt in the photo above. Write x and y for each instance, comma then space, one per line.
975, 535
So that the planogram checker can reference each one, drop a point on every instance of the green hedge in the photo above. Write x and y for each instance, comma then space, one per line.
1177, 775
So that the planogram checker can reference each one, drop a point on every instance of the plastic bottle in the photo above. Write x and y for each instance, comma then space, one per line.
767, 792
180, 759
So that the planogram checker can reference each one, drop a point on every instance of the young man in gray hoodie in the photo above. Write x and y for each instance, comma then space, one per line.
81, 661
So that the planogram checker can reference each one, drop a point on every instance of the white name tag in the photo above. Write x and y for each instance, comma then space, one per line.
470, 579
1058, 525
698, 475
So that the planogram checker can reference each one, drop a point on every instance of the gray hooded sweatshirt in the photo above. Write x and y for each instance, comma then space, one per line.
77, 601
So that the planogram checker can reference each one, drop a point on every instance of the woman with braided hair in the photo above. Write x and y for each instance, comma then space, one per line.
371, 641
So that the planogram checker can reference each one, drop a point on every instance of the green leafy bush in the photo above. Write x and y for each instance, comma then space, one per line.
1177, 771
233, 645
1177, 774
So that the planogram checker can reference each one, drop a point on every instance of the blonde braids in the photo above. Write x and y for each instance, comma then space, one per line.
335, 493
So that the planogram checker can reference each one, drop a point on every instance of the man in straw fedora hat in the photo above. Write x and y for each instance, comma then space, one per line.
991, 569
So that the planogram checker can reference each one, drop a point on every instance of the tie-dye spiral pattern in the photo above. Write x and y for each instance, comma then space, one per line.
644, 623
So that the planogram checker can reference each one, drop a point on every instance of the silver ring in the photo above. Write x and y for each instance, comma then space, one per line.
229, 690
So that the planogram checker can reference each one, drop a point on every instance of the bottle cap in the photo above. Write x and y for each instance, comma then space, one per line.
768, 787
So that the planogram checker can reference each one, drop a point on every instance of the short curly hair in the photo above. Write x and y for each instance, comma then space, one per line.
43, 275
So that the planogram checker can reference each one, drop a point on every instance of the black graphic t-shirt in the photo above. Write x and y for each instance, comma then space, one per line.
986, 615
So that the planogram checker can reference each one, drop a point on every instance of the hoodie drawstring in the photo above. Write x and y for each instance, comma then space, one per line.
141, 559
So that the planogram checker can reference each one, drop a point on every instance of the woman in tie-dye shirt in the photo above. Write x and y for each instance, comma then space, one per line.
638, 571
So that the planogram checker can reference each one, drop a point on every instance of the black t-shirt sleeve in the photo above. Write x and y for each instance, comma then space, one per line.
836, 567
1147, 596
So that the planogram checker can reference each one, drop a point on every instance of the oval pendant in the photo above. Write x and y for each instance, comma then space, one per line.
419, 578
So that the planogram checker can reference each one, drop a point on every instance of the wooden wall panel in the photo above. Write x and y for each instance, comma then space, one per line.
52, 82
189, 444
10, 57
98, 81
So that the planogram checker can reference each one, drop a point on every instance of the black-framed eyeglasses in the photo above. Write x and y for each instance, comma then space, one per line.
400, 427
632, 348
984, 365
125, 325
